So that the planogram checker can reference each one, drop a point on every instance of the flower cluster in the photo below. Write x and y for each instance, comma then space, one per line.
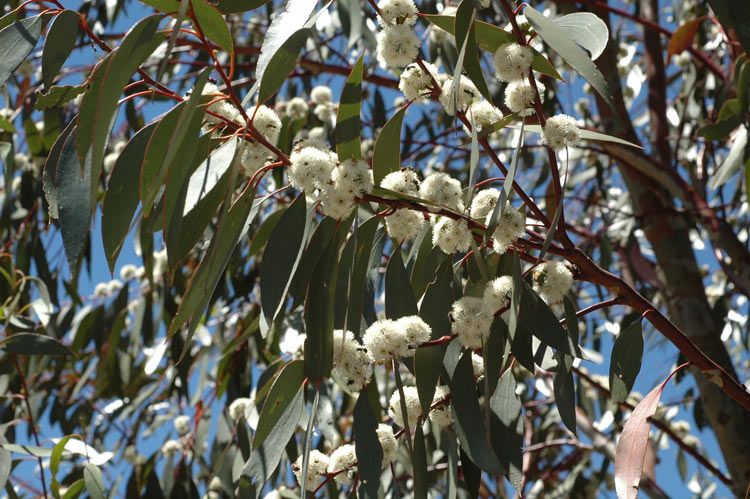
552, 280
413, 407
520, 95
442, 190
497, 293
404, 224
471, 321
561, 131
387, 339
441, 413
451, 235
483, 203
414, 83
465, 94
398, 44
512, 61
511, 225
352, 366
325, 109
484, 115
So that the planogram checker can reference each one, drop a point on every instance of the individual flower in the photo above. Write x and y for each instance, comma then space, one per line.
497, 293
128, 272
387, 442
182, 425
220, 106
385, 340
335, 202
512, 61
297, 108
311, 167
451, 236
552, 280
471, 321
484, 115
101, 290
239, 408
114, 286
321, 95
353, 176
343, 462
414, 83
253, 157
170, 447
561, 131
404, 181
483, 203
413, 407
441, 414
416, 331
397, 11
398, 45
404, 224
466, 94
267, 122
325, 112
352, 366
317, 466
441, 189
477, 365
519, 96
511, 225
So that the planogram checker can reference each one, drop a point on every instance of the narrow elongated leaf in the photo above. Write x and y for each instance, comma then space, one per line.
585, 135
121, 199
59, 42
465, 30
399, 297
33, 344
733, 161
565, 396
561, 42
286, 385
238, 6
386, 156
311, 257
507, 428
468, 418
92, 476
538, 318
586, 29
106, 83
16, 43
282, 62
348, 122
419, 465
367, 448
363, 239
5, 467
625, 361
213, 25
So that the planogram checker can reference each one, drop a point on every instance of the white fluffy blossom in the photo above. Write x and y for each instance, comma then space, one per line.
451, 236
171, 446
388, 443
317, 466
512, 61
182, 424
519, 96
415, 330
128, 272
441, 415
443, 190
404, 181
413, 407
220, 106
353, 176
321, 95
484, 115
253, 157
311, 167
497, 293
386, 340
239, 408
397, 11
552, 280
315, 137
483, 203
561, 131
415, 83
466, 94
398, 45
326, 112
343, 461
335, 202
404, 224
511, 225
267, 122
297, 108
477, 365
471, 321
352, 366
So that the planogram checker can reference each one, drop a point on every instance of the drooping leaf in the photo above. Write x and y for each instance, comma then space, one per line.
538, 318
367, 448
33, 344
213, 25
16, 43
59, 42
238, 6
561, 42
586, 29
311, 257
507, 428
419, 465
348, 122
285, 386
465, 30
106, 83
625, 361
565, 396
386, 156
399, 297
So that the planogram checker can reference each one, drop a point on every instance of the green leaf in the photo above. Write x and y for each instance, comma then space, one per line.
466, 35
348, 122
586, 29
311, 257
507, 428
565, 396
6, 125
468, 418
286, 385
75, 489
386, 156
106, 84
434, 310
238, 6
68, 193
16, 43
260, 237
419, 465
57, 96
720, 130
57, 450
172, 143
121, 199
94, 483
367, 448
213, 25
363, 238
732, 162
318, 314
282, 256
282, 63
625, 361
58, 44
560, 41
33, 344
399, 297
537, 317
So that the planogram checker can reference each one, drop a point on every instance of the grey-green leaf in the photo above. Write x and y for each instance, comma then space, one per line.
386, 156
625, 361
16, 43
33, 344
367, 448
59, 42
